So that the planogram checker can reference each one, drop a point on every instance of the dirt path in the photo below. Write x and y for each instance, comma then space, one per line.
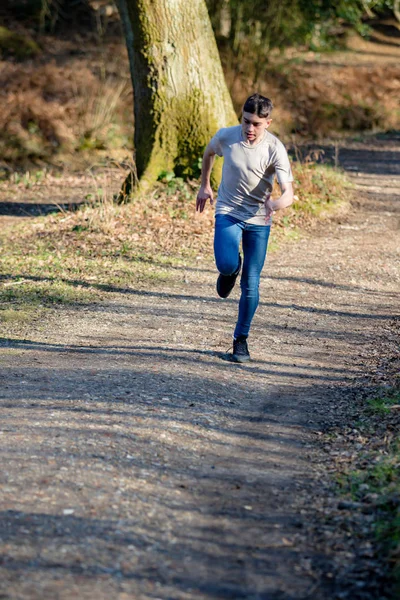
138, 464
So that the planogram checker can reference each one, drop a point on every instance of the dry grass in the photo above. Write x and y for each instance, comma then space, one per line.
322, 100
162, 223
326, 95
50, 109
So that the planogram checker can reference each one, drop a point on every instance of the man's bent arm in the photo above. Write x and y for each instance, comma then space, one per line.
285, 200
205, 191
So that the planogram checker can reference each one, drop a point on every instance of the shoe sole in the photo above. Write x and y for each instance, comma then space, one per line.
240, 359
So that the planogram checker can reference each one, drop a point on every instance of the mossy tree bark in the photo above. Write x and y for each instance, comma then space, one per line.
180, 95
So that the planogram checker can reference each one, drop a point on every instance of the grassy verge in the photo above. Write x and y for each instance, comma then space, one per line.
78, 257
373, 479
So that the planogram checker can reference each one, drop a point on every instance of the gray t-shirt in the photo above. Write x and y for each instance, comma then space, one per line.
248, 173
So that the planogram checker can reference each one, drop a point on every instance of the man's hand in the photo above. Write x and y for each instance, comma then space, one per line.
269, 208
205, 193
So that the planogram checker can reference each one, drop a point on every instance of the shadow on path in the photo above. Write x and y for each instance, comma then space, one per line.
197, 298
29, 209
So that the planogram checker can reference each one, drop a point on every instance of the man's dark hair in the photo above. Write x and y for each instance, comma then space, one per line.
258, 105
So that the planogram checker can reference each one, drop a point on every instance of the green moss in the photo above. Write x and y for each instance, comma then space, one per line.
18, 46
185, 126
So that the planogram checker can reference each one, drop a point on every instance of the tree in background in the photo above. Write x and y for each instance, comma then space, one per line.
256, 27
180, 95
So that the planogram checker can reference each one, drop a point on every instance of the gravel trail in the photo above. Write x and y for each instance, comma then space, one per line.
138, 463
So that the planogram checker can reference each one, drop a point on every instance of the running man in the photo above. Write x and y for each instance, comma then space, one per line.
252, 158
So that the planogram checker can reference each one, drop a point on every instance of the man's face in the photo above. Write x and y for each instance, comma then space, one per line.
253, 127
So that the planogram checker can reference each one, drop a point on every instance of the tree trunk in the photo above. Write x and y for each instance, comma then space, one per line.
396, 9
180, 95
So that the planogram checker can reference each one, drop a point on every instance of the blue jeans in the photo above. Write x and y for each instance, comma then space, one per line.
228, 234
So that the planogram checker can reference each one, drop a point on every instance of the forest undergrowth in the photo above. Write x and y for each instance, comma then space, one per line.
64, 105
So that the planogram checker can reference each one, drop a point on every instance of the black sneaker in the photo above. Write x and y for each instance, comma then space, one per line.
226, 283
240, 350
